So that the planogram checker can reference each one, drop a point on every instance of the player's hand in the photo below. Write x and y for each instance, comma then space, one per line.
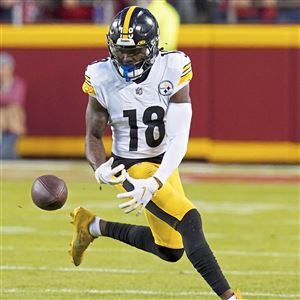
105, 174
144, 190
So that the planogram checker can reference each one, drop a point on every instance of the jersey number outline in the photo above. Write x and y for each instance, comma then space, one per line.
147, 120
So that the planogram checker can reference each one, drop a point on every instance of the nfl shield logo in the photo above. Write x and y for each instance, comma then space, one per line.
139, 91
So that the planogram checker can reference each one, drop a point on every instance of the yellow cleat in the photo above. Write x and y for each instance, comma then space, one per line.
238, 294
81, 218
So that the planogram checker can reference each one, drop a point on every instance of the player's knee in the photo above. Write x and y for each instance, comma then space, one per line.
190, 224
170, 255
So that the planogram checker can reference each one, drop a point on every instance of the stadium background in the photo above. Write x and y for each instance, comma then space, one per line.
245, 90
246, 110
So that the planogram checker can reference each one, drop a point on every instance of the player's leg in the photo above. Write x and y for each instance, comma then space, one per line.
200, 254
189, 232
87, 227
170, 206
8, 145
171, 223
175, 222
139, 237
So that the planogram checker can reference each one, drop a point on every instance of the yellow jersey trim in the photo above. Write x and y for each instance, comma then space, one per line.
88, 79
186, 71
186, 67
186, 77
88, 89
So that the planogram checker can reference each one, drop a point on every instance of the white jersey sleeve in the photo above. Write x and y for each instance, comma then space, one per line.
90, 83
179, 70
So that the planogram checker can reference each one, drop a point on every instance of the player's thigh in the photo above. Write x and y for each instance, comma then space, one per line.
171, 197
168, 206
163, 234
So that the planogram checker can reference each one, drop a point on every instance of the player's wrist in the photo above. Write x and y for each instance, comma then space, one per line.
109, 175
99, 175
160, 184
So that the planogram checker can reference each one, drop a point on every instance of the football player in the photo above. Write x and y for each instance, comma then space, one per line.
142, 92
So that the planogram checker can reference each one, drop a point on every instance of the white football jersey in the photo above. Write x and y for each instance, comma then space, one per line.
137, 110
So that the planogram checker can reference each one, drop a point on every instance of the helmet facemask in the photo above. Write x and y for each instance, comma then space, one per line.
131, 60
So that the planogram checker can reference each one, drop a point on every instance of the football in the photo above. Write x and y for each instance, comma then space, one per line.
49, 192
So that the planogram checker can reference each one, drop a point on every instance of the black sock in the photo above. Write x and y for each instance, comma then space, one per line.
140, 237
199, 252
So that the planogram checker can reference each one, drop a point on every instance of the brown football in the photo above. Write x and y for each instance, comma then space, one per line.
49, 192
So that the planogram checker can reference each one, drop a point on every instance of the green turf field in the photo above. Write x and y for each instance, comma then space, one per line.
253, 228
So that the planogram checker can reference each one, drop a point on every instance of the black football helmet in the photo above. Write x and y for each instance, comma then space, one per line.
133, 41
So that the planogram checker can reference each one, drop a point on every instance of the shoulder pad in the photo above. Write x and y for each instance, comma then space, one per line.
163, 52
99, 61
180, 69
186, 70
91, 69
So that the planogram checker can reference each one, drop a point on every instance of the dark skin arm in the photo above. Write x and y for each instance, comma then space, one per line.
182, 96
96, 121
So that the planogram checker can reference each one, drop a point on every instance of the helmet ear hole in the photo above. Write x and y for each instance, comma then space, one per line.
139, 30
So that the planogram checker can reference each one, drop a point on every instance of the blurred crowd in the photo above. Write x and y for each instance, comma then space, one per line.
12, 107
190, 11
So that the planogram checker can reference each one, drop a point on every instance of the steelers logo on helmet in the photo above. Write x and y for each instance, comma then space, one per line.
133, 41
165, 88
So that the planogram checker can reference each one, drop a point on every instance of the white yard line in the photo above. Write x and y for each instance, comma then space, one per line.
92, 270
7, 230
252, 273
134, 271
16, 230
128, 250
19, 268
143, 292
232, 207
258, 254
42, 165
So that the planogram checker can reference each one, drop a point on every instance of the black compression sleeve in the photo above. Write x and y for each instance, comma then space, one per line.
199, 252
